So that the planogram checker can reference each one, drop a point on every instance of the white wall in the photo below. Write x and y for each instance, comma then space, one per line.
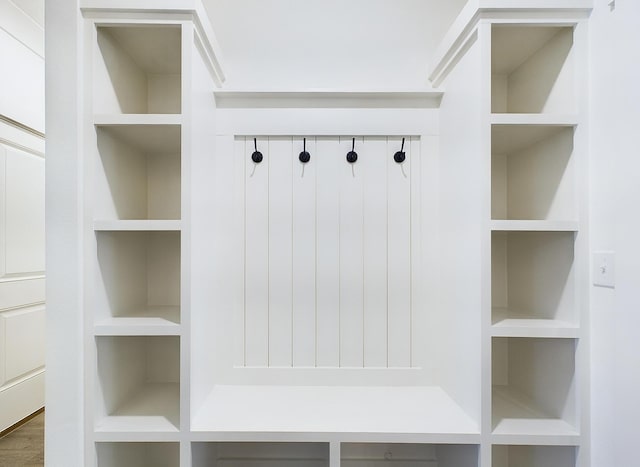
615, 223
329, 43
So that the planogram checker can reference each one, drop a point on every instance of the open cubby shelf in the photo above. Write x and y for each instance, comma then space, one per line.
533, 387
137, 69
138, 278
138, 454
533, 279
260, 454
532, 69
138, 172
533, 456
533, 173
407, 455
138, 386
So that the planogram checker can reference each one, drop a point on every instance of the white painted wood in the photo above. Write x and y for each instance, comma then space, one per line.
304, 249
457, 324
329, 162
539, 67
351, 255
137, 70
260, 454
388, 455
21, 291
533, 173
137, 271
22, 398
23, 340
240, 165
24, 20
24, 204
533, 274
21, 85
257, 256
373, 167
137, 225
138, 172
532, 456
399, 255
365, 409
534, 389
138, 454
534, 226
327, 122
280, 235
319, 98
139, 388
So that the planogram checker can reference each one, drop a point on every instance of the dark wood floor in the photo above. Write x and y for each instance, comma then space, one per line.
24, 447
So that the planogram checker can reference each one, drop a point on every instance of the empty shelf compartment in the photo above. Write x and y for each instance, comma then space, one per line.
532, 69
533, 456
534, 387
137, 172
138, 278
138, 384
407, 455
533, 173
260, 454
137, 69
138, 454
533, 278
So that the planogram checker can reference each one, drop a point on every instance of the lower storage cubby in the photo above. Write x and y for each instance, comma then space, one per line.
408, 455
534, 389
534, 456
138, 454
138, 384
260, 455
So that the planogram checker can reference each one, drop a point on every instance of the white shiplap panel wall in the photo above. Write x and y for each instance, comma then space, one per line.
351, 255
280, 251
326, 254
304, 255
399, 253
374, 168
256, 236
330, 161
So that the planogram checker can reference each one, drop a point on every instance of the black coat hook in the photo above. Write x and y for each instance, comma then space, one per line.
256, 157
400, 156
304, 155
352, 155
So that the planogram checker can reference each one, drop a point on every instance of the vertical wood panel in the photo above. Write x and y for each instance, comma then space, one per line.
280, 252
304, 255
399, 251
351, 256
240, 165
329, 159
416, 323
257, 256
374, 169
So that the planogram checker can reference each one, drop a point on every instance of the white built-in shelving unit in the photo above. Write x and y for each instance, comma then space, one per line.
429, 313
528, 176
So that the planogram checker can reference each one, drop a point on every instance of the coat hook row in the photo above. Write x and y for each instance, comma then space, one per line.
304, 156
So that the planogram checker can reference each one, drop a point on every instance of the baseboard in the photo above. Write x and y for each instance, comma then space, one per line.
17, 425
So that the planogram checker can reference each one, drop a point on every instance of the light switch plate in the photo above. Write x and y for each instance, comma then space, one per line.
604, 269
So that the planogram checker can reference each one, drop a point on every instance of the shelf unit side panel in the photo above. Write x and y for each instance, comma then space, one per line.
460, 216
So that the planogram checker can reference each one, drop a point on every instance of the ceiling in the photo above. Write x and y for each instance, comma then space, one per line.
354, 44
